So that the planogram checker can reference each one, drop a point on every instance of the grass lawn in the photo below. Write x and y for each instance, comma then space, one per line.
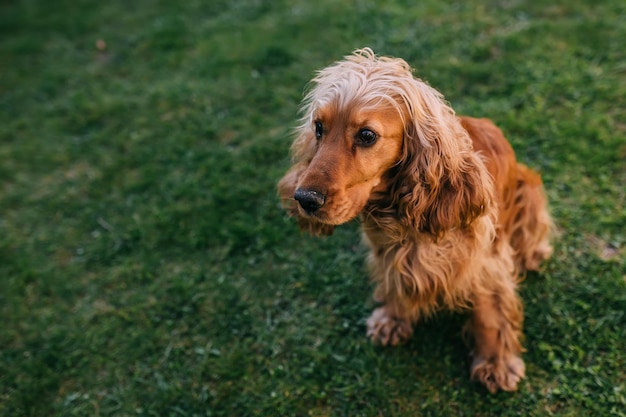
146, 268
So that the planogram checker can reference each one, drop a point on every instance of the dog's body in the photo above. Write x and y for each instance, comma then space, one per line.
450, 217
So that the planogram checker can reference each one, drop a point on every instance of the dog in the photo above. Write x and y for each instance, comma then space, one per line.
451, 219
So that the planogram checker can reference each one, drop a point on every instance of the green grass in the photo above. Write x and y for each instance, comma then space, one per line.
147, 269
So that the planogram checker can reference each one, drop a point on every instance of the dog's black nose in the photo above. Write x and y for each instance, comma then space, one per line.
309, 200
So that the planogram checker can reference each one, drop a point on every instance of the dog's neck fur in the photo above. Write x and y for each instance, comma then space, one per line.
434, 275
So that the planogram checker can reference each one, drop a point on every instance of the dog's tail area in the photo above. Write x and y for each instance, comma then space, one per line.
532, 225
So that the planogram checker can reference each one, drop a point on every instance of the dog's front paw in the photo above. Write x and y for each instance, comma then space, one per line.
498, 373
388, 330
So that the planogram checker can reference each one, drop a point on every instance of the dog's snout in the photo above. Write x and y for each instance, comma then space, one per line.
310, 200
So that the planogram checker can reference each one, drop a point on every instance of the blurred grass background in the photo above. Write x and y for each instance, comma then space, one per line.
147, 269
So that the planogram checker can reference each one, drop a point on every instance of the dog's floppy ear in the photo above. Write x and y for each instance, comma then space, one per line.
302, 151
441, 183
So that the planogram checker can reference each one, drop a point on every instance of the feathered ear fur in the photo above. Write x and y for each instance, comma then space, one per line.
440, 183
302, 151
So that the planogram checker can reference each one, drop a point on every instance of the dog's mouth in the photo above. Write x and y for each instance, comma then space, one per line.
328, 219
318, 217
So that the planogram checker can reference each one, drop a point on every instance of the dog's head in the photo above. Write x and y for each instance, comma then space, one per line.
372, 131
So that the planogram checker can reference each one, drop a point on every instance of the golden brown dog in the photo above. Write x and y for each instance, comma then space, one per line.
450, 217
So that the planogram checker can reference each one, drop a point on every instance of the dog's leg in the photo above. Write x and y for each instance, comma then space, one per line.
532, 226
496, 325
387, 327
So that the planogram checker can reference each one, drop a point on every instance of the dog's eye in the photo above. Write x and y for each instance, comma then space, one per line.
366, 137
319, 130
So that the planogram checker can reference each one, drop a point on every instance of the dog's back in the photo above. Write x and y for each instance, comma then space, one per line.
522, 204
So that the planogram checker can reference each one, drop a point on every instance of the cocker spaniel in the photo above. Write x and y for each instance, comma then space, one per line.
451, 219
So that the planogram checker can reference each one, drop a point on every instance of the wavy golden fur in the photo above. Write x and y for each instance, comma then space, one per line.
450, 217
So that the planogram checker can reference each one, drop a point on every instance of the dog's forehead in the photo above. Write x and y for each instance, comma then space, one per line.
349, 85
